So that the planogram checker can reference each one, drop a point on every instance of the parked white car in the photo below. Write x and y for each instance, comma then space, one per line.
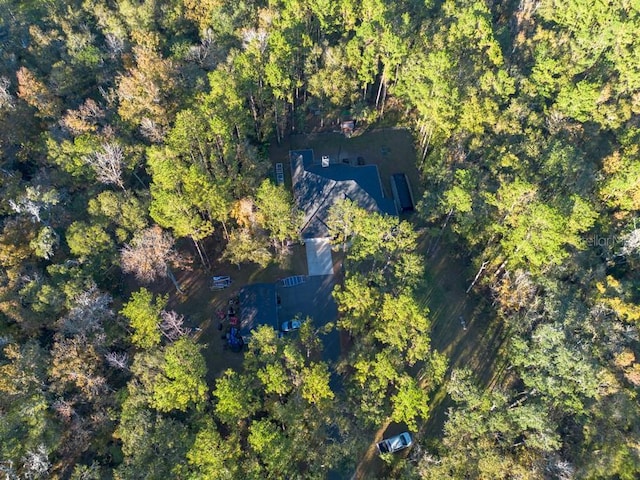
395, 444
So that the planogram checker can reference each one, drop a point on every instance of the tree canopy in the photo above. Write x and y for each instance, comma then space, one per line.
136, 136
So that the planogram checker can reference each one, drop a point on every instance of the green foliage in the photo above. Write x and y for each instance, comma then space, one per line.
409, 402
276, 213
621, 188
315, 388
235, 399
144, 434
45, 243
70, 156
26, 422
271, 446
482, 432
212, 456
533, 234
92, 245
181, 384
127, 213
87, 240
244, 246
557, 371
403, 325
614, 417
524, 116
458, 198
342, 221
181, 196
381, 245
143, 312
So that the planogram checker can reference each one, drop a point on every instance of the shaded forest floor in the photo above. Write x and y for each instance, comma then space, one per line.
475, 345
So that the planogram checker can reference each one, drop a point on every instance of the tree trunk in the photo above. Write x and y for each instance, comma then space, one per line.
427, 143
205, 263
139, 180
174, 281
379, 90
482, 268
226, 232
275, 112
437, 240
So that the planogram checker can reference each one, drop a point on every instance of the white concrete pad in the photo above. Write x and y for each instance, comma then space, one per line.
319, 261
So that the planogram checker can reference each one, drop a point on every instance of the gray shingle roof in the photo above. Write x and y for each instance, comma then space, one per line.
317, 188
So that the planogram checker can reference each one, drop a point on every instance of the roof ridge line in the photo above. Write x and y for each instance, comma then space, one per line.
324, 200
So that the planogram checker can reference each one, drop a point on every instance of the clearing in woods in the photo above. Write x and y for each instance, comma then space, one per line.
199, 304
390, 149
475, 345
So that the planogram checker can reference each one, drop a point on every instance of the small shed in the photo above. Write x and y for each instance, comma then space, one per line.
402, 193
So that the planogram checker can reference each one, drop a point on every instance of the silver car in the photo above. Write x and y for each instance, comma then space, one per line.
394, 444
290, 325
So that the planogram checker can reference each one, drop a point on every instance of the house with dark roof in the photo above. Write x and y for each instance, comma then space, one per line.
317, 185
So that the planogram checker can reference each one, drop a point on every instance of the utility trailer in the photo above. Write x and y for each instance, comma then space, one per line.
220, 282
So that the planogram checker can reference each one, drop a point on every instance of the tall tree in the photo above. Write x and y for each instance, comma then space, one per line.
181, 383
277, 213
143, 312
149, 255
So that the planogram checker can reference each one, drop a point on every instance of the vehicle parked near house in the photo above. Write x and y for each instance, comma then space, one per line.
290, 326
395, 444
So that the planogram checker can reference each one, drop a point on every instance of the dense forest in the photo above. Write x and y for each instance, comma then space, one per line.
134, 134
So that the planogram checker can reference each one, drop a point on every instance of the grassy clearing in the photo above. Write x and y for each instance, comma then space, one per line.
478, 347
447, 276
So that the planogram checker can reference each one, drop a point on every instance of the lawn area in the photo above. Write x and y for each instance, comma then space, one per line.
475, 345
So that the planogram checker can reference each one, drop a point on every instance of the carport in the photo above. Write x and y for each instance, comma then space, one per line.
319, 260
